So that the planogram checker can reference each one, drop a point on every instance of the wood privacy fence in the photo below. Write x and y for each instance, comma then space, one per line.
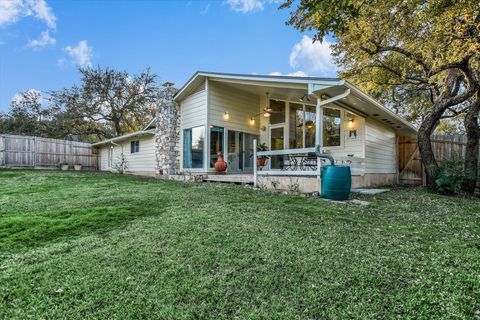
36, 152
411, 169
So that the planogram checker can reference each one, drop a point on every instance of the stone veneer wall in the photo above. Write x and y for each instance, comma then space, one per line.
167, 133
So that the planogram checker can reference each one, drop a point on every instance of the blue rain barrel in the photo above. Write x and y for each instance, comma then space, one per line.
336, 182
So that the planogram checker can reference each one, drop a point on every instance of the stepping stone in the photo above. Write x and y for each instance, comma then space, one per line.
369, 191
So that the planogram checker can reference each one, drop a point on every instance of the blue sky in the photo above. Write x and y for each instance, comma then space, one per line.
42, 42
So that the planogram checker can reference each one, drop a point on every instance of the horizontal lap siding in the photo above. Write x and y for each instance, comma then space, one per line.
194, 110
350, 146
143, 161
379, 148
241, 106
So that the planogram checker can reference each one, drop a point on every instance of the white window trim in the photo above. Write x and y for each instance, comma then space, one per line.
287, 124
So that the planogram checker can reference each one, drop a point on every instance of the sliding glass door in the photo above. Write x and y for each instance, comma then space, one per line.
240, 151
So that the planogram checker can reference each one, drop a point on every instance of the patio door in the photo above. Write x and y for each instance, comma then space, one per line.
235, 151
277, 142
240, 151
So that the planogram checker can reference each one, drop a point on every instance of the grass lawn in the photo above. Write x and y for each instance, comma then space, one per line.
94, 245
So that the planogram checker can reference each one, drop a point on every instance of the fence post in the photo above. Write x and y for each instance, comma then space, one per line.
254, 163
34, 152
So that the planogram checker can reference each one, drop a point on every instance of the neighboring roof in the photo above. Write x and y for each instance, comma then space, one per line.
319, 85
125, 137
151, 124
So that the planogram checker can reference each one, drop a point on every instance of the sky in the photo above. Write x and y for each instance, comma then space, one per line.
43, 42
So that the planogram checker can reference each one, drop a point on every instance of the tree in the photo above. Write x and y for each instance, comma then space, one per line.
422, 45
26, 115
472, 129
120, 102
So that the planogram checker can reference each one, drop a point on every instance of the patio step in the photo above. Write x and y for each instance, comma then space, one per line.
230, 178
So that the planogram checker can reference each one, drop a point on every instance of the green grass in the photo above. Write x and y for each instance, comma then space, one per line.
91, 245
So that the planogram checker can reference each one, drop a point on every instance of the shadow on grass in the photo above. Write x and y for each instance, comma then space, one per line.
19, 231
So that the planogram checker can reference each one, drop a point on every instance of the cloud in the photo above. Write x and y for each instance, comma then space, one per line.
313, 57
204, 11
44, 40
245, 6
291, 74
81, 54
13, 10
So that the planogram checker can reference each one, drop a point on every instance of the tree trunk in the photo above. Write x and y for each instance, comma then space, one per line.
425, 145
471, 152
430, 122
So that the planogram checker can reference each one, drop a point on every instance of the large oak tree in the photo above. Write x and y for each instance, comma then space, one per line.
431, 47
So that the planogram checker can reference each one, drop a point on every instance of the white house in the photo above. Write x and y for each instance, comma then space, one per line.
293, 116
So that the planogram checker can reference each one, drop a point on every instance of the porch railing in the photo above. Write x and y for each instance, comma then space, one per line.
301, 162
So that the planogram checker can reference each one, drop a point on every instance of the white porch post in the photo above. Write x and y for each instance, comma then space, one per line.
318, 139
254, 163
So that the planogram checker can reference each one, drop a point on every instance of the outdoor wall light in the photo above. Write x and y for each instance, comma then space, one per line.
350, 122
252, 121
226, 115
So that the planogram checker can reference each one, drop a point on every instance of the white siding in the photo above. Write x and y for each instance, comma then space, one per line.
380, 152
350, 146
241, 106
193, 110
142, 162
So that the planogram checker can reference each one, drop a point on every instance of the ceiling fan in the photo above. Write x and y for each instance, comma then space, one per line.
267, 111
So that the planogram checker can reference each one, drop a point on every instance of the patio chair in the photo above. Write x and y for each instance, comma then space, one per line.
310, 162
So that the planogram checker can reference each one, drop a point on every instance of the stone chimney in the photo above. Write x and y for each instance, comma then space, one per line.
167, 133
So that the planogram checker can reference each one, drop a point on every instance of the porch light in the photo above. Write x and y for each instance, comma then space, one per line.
267, 114
226, 115
350, 122
252, 121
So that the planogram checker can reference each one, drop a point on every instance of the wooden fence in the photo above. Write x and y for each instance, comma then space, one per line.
411, 169
36, 152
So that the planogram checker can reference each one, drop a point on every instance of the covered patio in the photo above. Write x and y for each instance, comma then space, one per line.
295, 117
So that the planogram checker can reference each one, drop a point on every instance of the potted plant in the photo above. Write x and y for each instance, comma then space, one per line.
64, 165
262, 160
77, 167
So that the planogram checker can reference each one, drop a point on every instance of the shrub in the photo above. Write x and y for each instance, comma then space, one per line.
451, 175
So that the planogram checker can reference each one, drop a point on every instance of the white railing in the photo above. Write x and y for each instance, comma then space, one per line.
300, 163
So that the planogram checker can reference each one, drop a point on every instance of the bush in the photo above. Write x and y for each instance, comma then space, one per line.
451, 175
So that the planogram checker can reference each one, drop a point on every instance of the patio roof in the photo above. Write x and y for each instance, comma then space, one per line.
292, 88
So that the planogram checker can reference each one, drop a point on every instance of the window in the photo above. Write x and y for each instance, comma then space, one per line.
302, 126
193, 144
134, 146
278, 112
332, 122
310, 129
216, 144
296, 120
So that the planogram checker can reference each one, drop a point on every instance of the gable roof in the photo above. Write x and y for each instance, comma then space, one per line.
125, 137
357, 101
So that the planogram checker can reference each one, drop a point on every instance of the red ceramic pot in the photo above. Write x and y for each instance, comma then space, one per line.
261, 162
220, 165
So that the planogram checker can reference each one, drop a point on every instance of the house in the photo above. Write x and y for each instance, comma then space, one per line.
293, 116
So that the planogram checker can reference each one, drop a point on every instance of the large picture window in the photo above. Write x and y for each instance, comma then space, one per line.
193, 145
302, 126
332, 122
